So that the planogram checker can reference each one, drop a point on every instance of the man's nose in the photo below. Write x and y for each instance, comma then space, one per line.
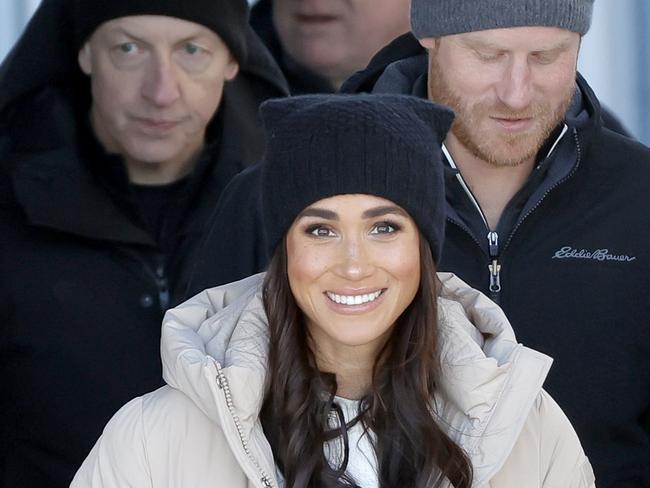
161, 85
515, 88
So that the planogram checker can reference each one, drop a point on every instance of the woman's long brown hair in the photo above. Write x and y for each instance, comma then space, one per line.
411, 449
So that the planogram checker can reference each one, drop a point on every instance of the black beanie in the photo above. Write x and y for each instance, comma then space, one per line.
319, 146
228, 18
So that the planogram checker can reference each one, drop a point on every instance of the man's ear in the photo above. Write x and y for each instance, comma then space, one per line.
428, 43
84, 59
232, 68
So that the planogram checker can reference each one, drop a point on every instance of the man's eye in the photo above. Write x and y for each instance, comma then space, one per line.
487, 56
383, 228
545, 58
319, 231
192, 48
128, 47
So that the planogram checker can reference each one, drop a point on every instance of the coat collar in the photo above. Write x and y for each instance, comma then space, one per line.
488, 383
53, 185
488, 386
58, 188
70, 201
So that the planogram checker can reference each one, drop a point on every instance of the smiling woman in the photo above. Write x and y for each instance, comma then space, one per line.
353, 265
351, 363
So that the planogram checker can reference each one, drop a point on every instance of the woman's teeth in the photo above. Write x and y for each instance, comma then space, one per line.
354, 299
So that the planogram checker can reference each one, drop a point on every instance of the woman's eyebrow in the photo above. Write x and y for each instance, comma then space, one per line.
383, 210
320, 213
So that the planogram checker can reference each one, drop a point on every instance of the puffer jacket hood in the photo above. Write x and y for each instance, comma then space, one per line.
203, 429
488, 386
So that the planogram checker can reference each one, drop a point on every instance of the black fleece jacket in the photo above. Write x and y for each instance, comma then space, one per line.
573, 247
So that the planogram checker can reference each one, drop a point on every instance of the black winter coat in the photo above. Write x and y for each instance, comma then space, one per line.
83, 284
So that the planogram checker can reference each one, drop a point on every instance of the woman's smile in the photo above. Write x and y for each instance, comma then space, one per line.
354, 303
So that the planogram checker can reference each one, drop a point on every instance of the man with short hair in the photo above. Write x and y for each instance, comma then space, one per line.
547, 209
320, 43
121, 121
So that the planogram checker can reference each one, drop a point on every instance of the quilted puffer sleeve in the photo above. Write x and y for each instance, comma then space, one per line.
119, 458
563, 462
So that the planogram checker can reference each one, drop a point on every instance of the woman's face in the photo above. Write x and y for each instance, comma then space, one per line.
353, 263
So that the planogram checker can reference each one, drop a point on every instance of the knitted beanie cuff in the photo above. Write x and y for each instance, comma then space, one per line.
228, 19
436, 18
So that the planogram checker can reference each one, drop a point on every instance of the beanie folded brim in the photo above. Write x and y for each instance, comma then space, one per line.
228, 19
437, 18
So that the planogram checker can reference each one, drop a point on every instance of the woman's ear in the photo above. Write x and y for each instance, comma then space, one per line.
85, 59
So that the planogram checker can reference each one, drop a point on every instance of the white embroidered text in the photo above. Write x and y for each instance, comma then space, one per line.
568, 252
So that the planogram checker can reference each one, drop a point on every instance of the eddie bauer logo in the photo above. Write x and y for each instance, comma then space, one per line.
568, 252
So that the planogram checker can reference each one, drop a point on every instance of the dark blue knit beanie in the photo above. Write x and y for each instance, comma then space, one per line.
319, 146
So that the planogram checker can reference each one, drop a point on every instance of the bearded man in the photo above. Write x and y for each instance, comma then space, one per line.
547, 209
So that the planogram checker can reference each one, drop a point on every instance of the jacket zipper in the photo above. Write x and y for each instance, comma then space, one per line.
222, 383
571, 173
494, 266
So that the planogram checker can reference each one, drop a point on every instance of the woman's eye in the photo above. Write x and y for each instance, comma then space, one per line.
319, 231
383, 228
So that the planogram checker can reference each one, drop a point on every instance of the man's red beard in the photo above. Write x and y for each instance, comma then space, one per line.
501, 149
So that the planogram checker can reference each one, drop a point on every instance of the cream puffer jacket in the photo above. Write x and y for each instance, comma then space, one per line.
203, 431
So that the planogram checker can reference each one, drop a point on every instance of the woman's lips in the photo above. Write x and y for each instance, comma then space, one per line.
356, 302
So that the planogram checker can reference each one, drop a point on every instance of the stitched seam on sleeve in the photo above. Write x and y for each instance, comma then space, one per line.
145, 443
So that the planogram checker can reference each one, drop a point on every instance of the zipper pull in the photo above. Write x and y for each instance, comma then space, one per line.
266, 482
495, 278
493, 243
494, 266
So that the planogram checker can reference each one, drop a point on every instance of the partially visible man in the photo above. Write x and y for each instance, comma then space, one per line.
547, 209
320, 43
121, 123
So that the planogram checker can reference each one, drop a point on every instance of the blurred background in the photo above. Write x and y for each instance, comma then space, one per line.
615, 56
